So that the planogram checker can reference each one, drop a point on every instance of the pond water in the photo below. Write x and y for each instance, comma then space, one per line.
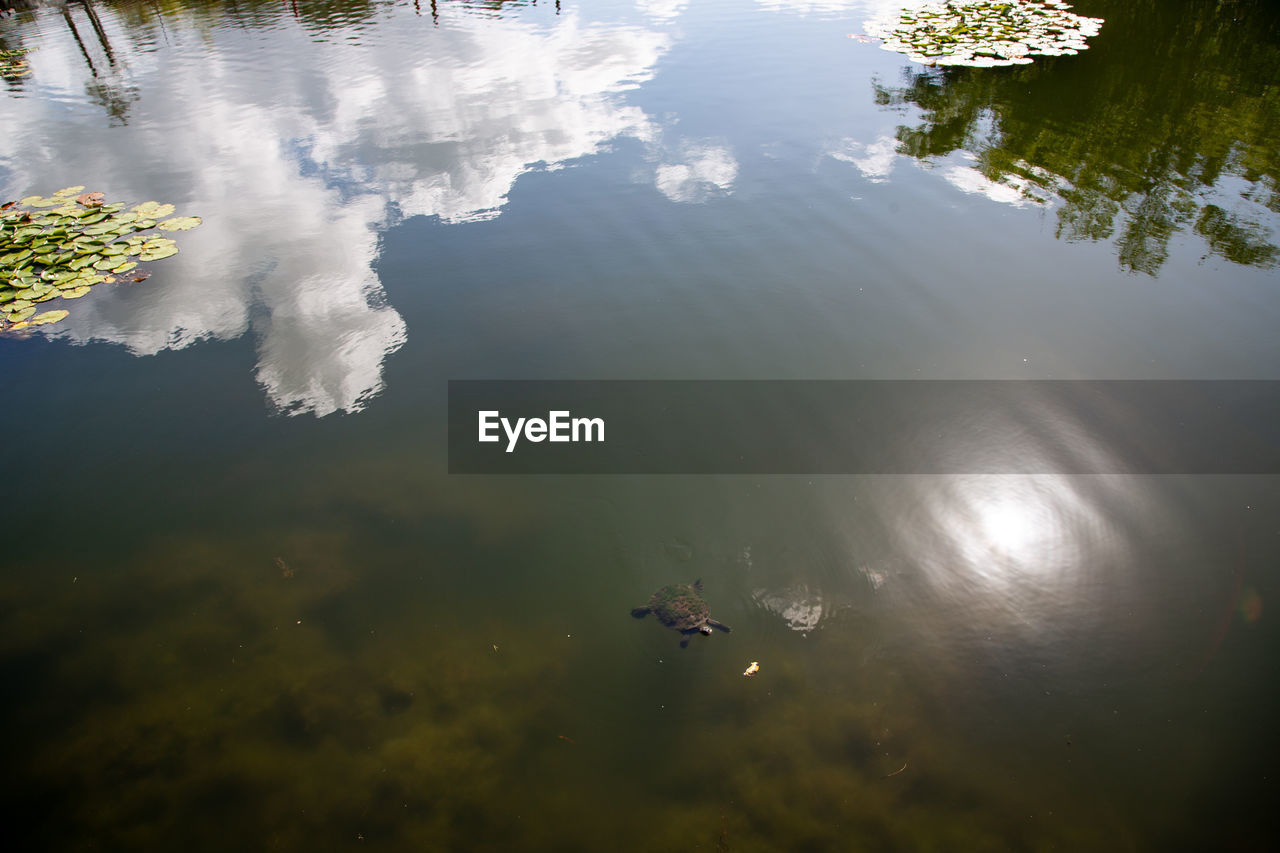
243, 604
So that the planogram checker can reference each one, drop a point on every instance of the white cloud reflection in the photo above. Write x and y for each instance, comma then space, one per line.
705, 170
830, 8
877, 160
1010, 189
812, 7
874, 160
662, 10
296, 169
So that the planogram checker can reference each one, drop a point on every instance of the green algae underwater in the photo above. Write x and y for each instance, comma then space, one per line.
326, 679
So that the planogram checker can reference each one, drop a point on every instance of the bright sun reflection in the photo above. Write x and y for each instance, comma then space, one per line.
1004, 532
1010, 527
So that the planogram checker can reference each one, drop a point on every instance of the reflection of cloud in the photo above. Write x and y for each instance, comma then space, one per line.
809, 7
972, 181
294, 167
875, 160
840, 7
662, 10
322, 341
706, 170
454, 129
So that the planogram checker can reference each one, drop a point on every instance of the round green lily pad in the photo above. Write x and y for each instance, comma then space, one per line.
150, 254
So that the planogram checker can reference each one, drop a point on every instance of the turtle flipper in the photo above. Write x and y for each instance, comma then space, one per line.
639, 612
684, 640
717, 624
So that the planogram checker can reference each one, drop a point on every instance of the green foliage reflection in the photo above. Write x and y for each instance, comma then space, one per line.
1168, 125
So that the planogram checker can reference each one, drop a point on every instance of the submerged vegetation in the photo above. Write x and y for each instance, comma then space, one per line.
985, 33
60, 246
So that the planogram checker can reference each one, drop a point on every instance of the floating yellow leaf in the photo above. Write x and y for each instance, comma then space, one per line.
49, 317
152, 209
180, 223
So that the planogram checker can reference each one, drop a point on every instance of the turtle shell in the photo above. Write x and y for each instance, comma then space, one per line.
679, 606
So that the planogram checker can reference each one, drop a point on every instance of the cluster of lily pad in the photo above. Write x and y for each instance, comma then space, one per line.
985, 33
12, 63
60, 246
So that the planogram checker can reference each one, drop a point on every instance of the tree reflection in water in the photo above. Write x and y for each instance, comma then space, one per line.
1134, 148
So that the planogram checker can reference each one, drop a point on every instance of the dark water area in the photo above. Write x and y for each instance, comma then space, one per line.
244, 604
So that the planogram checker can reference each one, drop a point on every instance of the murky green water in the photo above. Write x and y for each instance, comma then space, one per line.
243, 605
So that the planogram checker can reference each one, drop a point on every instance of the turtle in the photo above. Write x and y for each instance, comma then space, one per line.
680, 606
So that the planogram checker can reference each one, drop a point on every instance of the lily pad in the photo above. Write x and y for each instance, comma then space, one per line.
49, 317
12, 64
984, 33
75, 292
180, 223
153, 209
155, 254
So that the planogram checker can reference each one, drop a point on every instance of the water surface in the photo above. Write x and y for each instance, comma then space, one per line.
243, 603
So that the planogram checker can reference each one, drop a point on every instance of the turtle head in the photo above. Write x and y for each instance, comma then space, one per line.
705, 629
